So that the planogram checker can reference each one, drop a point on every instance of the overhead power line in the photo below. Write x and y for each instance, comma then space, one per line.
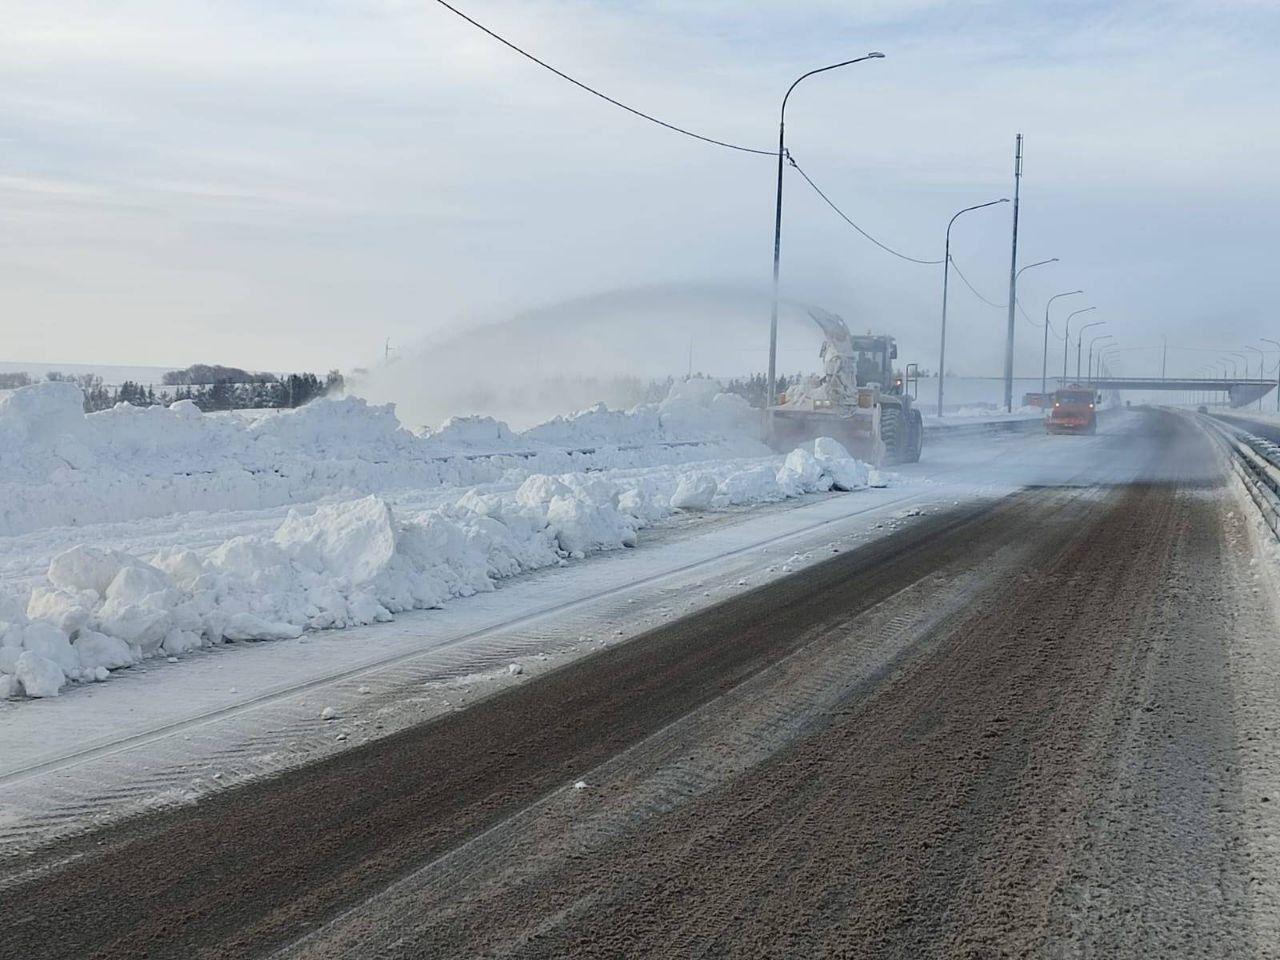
843, 216
603, 96
705, 139
956, 267
884, 246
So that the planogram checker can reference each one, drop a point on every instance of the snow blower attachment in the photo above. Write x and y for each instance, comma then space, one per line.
857, 400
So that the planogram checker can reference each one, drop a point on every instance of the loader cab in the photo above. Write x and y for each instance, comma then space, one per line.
875, 361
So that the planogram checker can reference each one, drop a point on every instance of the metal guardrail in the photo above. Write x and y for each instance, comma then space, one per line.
983, 427
1256, 462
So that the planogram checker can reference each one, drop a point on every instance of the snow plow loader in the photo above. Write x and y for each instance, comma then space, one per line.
857, 400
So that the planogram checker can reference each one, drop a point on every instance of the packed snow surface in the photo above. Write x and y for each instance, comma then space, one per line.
348, 556
60, 467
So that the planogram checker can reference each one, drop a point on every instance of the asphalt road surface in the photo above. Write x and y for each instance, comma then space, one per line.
1032, 727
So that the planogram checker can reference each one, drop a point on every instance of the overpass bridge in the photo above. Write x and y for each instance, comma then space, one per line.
1239, 390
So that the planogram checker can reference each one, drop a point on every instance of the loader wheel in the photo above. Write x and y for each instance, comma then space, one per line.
894, 434
915, 438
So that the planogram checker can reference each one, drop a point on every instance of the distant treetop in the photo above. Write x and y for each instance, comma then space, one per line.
205, 373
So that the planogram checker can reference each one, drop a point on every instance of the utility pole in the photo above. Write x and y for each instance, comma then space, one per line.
1013, 279
386, 349
1164, 357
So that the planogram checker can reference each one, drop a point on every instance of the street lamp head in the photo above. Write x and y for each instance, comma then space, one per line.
875, 55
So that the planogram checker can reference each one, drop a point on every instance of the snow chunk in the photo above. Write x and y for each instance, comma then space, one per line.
354, 540
694, 492
802, 473
45, 640
757, 484
540, 489
68, 610
96, 650
138, 606
38, 676
87, 568
42, 413
846, 472
474, 433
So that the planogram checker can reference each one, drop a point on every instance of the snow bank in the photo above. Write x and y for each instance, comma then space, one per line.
356, 562
59, 467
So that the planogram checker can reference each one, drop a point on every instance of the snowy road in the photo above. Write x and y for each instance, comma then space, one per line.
972, 720
237, 712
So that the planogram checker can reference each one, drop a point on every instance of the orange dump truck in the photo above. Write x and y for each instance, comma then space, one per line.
1074, 410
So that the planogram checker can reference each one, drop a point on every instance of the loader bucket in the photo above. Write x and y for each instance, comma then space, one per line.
858, 433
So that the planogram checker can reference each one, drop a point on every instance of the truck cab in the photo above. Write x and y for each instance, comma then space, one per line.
1074, 410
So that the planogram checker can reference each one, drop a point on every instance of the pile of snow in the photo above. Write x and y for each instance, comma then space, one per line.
356, 562
59, 467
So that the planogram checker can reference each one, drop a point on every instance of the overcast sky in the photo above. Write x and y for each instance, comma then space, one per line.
280, 184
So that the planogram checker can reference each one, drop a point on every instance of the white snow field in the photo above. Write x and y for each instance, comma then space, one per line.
143, 533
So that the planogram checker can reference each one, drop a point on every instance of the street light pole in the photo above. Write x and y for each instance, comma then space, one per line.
1066, 339
946, 275
1013, 302
1277, 345
777, 220
1091, 343
1080, 343
1044, 363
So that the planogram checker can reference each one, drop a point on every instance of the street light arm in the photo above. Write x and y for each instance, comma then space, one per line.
1038, 263
874, 55
976, 206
